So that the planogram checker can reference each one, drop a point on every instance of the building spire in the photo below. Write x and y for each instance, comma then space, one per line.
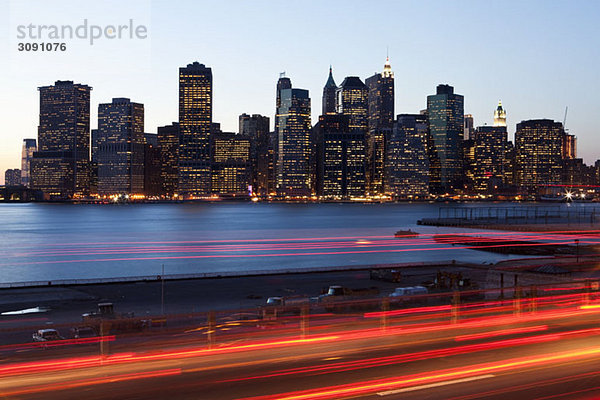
387, 69
499, 115
330, 80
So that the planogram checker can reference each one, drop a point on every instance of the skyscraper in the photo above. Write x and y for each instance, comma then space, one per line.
539, 150
29, 147
195, 118
490, 143
120, 147
152, 166
340, 158
499, 115
282, 84
60, 167
256, 128
230, 164
352, 99
380, 125
329, 94
294, 145
168, 142
12, 177
469, 127
445, 110
407, 161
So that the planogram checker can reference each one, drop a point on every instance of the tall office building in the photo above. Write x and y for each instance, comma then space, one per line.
12, 177
256, 128
445, 110
500, 115
282, 84
352, 99
469, 127
407, 161
489, 158
60, 168
340, 159
195, 118
570, 147
380, 125
121, 142
329, 91
29, 147
539, 150
152, 165
230, 164
294, 143
168, 143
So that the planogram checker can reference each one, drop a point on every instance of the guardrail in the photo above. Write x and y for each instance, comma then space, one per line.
220, 274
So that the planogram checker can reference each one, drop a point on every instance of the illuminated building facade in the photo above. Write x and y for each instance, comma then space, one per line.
539, 149
380, 124
500, 115
230, 164
60, 168
407, 165
489, 159
29, 147
570, 147
256, 128
446, 129
121, 142
340, 159
12, 177
195, 118
469, 127
168, 143
294, 143
329, 93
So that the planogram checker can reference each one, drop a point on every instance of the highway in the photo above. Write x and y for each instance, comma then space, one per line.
491, 350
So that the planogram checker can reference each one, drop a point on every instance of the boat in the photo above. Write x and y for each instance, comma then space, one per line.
406, 234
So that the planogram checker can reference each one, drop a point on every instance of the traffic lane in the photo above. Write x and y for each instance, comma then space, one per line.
577, 380
195, 378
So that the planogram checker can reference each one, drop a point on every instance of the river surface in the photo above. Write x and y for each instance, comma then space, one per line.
40, 242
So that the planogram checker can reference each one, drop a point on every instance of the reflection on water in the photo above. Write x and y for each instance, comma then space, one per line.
60, 241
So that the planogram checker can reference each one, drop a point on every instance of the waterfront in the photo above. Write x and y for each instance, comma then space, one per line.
59, 241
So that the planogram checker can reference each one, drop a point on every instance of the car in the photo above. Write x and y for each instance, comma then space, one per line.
46, 335
82, 332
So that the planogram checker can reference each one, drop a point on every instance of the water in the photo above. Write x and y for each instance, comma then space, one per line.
61, 241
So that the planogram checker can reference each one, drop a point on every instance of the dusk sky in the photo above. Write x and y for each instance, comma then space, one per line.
536, 56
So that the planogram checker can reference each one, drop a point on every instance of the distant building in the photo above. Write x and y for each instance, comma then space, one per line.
256, 128
94, 162
340, 159
230, 164
29, 147
293, 127
570, 147
446, 129
195, 118
539, 150
12, 177
489, 156
120, 147
469, 127
60, 168
380, 124
329, 94
500, 116
407, 161
168, 143
152, 166
353, 100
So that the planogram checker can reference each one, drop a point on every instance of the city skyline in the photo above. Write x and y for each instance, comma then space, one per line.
524, 90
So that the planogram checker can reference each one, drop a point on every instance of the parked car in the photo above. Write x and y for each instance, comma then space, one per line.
82, 332
46, 335
409, 291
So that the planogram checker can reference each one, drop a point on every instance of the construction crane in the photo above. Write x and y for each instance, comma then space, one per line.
565, 119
